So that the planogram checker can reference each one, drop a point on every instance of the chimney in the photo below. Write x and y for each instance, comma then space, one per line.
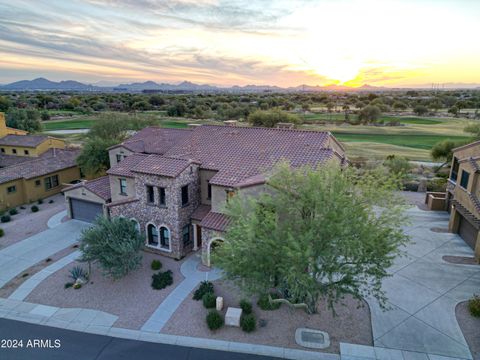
230, 122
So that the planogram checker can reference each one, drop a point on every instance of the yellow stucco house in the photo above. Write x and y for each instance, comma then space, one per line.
32, 167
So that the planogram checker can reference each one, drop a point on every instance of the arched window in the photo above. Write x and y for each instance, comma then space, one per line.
152, 235
164, 238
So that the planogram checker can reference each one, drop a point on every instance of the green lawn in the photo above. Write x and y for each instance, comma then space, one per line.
68, 124
414, 141
311, 118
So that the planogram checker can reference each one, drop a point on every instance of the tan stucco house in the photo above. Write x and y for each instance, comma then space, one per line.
463, 195
174, 183
32, 167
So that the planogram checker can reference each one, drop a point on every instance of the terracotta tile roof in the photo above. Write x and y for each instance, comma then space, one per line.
23, 140
240, 153
154, 140
200, 212
99, 186
215, 221
48, 163
9, 160
162, 166
124, 167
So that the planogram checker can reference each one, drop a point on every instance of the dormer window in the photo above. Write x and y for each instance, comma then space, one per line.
123, 186
119, 158
455, 166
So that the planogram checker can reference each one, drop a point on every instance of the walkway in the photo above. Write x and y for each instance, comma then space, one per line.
424, 290
18, 257
193, 277
28, 286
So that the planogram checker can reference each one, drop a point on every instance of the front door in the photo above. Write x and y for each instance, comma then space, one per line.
199, 236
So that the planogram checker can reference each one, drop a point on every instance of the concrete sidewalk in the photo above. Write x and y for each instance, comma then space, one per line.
424, 290
193, 277
18, 257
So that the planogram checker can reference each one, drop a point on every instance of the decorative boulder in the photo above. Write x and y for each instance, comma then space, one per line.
232, 318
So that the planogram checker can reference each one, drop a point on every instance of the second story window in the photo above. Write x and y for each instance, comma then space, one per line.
26, 152
464, 179
454, 174
14, 151
119, 157
162, 200
123, 186
230, 194
2, 149
209, 191
150, 194
184, 195
11, 189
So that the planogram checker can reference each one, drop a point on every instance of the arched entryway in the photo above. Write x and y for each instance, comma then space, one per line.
212, 244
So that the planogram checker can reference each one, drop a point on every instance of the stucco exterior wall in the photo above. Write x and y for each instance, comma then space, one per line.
173, 215
14, 199
205, 176
219, 198
115, 188
112, 154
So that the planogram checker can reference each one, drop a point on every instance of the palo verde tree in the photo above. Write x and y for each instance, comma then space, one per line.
315, 234
114, 244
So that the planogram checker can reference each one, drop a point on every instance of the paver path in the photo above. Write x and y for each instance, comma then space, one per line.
424, 290
20, 256
192, 278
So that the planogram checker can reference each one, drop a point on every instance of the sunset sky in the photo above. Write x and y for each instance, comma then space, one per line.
225, 42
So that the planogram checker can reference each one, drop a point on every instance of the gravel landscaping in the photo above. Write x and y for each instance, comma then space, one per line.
352, 323
26, 223
470, 328
132, 298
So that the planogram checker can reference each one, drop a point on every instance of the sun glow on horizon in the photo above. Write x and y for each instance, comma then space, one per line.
344, 42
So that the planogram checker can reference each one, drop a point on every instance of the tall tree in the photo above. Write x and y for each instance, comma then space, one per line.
315, 234
369, 114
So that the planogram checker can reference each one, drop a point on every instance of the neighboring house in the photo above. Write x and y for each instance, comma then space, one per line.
174, 183
32, 166
463, 194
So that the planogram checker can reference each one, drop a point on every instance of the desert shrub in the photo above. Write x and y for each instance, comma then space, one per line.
77, 286
265, 304
410, 186
34, 208
205, 287
13, 211
439, 185
246, 306
474, 306
214, 320
156, 265
209, 300
40, 201
5, 218
68, 285
2, 232
25, 274
162, 280
77, 272
248, 322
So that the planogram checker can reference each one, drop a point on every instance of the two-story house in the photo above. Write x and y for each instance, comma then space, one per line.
32, 166
174, 183
463, 194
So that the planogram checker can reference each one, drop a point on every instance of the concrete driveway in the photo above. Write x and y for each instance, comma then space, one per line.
424, 290
18, 257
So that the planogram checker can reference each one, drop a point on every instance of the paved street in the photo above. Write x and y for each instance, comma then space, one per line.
83, 346
20, 256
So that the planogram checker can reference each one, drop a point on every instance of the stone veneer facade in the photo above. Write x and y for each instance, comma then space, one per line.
209, 235
173, 215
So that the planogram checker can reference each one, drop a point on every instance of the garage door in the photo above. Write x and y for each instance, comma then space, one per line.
85, 210
467, 232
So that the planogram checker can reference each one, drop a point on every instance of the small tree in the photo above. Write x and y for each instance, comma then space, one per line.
270, 118
420, 110
93, 159
315, 233
115, 244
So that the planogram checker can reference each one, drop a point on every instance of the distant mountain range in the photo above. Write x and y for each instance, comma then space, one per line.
42, 84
